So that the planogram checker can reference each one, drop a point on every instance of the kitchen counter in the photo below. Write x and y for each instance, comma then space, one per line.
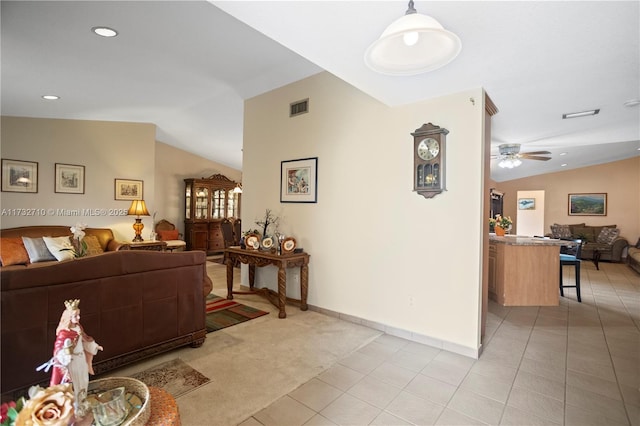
524, 271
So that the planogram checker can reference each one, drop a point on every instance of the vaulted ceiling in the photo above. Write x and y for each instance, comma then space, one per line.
188, 66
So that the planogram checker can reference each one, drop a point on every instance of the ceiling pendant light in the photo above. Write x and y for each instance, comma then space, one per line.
411, 45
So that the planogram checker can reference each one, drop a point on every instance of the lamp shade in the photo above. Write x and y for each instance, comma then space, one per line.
138, 208
412, 44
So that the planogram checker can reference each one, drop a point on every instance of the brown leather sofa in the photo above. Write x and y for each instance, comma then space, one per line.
134, 303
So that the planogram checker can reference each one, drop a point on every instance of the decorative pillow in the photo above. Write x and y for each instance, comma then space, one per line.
37, 250
93, 245
607, 235
560, 231
12, 252
168, 235
58, 247
585, 234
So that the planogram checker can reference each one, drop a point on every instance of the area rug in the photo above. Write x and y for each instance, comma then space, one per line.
222, 313
175, 377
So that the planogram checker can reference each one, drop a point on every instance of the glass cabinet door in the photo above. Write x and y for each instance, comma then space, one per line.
218, 204
202, 196
232, 204
187, 202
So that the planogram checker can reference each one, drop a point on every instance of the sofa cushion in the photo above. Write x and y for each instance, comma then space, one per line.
12, 252
169, 235
37, 250
560, 231
60, 247
93, 245
608, 235
586, 234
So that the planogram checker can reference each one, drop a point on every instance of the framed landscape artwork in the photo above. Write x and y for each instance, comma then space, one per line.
127, 189
588, 204
299, 181
526, 203
19, 176
69, 178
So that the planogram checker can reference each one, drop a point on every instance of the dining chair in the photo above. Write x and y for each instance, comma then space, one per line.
570, 256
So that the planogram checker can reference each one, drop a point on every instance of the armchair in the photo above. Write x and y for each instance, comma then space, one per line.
167, 232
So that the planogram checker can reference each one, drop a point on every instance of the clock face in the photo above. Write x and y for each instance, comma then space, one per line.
428, 148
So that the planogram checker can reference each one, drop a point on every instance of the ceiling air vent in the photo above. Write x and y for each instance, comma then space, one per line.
299, 107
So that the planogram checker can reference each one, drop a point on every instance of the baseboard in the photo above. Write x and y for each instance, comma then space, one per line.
405, 334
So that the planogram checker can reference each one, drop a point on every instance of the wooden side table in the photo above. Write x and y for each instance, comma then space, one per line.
148, 245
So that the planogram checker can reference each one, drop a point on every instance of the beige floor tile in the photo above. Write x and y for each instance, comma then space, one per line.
487, 386
504, 357
576, 416
388, 419
425, 351
393, 374
627, 370
392, 341
537, 404
316, 394
428, 388
544, 354
594, 384
285, 411
596, 404
515, 417
349, 410
539, 384
453, 418
494, 370
319, 420
454, 360
409, 360
250, 422
476, 406
583, 364
341, 377
633, 411
374, 391
378, 350
414, 409
550, 371
630, 394
361, 362
445, 372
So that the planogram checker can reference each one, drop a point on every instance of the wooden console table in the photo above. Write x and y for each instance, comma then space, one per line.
262, 258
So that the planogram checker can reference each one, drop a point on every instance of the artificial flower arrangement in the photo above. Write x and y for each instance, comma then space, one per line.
503, 222
79, 246
45, 406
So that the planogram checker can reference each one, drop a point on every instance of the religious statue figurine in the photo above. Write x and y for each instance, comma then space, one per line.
73, 353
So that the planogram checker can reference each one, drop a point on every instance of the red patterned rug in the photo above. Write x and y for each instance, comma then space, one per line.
222, 313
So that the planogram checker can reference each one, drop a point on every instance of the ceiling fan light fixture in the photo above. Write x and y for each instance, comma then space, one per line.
581, 114
412, 44
632, 102
51, 97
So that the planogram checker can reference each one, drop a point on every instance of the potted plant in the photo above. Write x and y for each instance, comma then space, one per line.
502, 224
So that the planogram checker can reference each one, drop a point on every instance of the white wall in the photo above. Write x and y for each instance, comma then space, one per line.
531, 221
379, 251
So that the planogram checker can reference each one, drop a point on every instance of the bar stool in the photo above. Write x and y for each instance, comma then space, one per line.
571, 256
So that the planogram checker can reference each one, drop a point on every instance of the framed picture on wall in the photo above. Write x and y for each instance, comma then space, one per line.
299, 181
19, 176
588, 204
526, 203
128, 190
69, 179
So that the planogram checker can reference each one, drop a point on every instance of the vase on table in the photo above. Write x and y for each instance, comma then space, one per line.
499, 231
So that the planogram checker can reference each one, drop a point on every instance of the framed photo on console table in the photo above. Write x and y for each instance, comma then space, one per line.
69, 179
19, 176
299, 181
588, 204
127, 189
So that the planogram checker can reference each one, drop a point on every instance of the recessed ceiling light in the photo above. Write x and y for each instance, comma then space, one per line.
563, 153
51, 97
581, 113
632, 103
105, 31
563, 165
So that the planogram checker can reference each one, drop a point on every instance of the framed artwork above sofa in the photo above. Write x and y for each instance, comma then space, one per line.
588, 204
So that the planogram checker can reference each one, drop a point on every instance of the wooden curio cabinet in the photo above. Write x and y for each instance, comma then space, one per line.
208, 201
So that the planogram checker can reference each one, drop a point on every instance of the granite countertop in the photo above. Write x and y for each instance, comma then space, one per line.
519, 240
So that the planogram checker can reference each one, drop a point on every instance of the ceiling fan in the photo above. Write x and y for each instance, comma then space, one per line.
510, 155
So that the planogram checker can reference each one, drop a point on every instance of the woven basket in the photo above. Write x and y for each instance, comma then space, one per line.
132, 386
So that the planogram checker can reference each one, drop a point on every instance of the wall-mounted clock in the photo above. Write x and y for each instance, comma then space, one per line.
429, 164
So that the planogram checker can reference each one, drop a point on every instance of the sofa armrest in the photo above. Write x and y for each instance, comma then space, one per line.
617, 247
116, 245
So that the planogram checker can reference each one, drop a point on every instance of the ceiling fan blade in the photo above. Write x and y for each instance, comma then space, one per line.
535, 152
534, 157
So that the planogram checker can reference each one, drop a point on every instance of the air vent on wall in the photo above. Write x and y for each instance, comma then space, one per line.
299, 107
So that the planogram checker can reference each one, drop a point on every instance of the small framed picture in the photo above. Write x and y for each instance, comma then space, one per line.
19, 176
299, 181
128, 190
588, 204
526, 203
69, 178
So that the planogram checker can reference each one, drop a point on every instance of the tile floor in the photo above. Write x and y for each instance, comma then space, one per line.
575, 364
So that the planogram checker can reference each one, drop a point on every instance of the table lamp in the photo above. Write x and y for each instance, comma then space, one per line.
138, 208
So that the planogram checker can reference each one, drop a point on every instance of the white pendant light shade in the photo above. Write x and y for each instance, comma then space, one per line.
412, 44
